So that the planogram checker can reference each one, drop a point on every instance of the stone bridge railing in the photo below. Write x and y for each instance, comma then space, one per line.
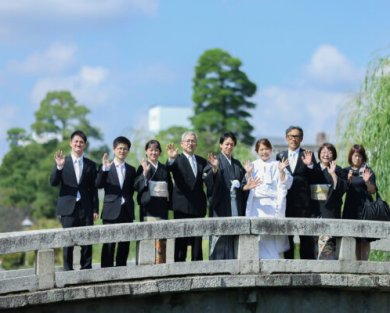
46, 284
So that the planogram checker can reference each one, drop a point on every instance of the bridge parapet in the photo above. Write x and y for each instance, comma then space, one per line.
247, 264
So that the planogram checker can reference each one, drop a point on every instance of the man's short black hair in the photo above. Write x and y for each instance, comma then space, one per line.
123, 140
79, 133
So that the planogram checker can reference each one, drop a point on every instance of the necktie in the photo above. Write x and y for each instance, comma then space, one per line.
193, 164
121, 174
293, 161
77, 169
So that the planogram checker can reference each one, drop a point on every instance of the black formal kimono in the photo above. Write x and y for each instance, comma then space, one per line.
326, 201
326, 205
152, 205
225, 200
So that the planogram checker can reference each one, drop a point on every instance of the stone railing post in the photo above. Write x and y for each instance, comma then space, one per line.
248, 254
347, 248
45, 268
170, 250
146, 252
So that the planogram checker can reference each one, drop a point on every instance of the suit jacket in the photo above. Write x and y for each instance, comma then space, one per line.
113, 193
67, 180
188, 195
298, 196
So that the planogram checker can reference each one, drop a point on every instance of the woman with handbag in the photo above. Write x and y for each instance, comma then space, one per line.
361, 186
154, 186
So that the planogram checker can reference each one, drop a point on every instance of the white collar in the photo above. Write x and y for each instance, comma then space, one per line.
75, 158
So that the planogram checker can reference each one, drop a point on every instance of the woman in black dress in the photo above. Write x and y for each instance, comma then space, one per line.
361, 185
154, 186
327, 188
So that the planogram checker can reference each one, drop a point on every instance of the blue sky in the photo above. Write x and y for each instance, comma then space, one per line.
119, 57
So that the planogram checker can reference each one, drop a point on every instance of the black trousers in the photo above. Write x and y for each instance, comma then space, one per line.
77, 219
306, 248
181, 244
123, 248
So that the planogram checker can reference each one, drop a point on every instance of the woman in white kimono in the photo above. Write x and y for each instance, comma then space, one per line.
268, 198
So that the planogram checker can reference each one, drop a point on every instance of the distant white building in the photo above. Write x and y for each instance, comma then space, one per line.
164, 117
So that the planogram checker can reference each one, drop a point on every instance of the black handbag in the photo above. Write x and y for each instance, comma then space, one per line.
377, 210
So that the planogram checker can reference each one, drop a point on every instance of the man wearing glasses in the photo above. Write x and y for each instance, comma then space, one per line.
188, 197
298, 197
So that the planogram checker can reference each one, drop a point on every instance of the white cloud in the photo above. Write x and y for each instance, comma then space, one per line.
313, 103
55, 59
9, 115
53, 9
330, 66
315, 110
90, 86
25, 20
93, 75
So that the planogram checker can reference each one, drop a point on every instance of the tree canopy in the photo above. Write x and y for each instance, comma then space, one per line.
220, 93
366, 121
59, 114
25, 169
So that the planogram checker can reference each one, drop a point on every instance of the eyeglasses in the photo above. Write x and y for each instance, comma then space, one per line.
189, 141
294, 136
122, 149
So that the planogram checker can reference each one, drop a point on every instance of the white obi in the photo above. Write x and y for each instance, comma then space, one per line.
158, 189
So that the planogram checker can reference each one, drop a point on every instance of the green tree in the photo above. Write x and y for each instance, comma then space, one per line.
221, 92
17, 136
366, 121
25, 169
59, 115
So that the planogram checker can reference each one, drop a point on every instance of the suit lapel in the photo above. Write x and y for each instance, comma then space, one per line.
69, 167
284, 155
114, 175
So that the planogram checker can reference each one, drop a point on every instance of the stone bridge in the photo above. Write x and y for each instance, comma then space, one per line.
245, 284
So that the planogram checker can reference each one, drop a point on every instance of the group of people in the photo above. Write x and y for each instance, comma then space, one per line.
291, 185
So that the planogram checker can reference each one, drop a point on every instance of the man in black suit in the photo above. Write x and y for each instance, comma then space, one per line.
188, 197
117, 179
298, 197
78, 202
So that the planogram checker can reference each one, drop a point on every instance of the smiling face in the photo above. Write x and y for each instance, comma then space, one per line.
294, 139
227, 146
326, 156
78, 145
188, 144
153, 152
264, 152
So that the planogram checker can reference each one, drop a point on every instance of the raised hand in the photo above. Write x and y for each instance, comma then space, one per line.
172, 151
213, 160
106, 161
366, 174
248, 166
252, 183
350, 175
307, 157
282, 164
332, 167
59, 157
146, 166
